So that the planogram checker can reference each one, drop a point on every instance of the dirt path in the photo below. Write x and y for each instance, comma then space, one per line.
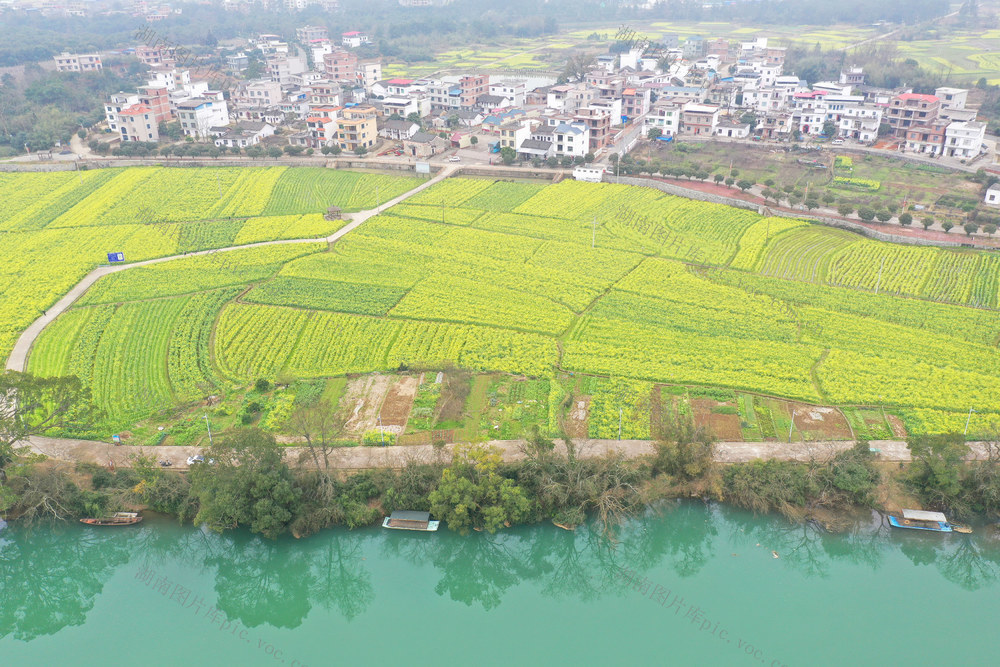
358, 458
18, 359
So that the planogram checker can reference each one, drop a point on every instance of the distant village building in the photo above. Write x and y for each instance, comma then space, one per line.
78, 62
354, 39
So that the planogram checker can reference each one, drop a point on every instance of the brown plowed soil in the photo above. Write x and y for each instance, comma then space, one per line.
397, 404
723, 427
576, 418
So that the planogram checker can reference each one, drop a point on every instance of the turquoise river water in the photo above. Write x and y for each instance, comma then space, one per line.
689, 584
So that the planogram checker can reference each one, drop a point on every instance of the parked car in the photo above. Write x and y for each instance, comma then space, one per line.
195, 459
837, 142
454, 158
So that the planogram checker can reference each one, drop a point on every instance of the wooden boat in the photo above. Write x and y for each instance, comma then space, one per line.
116, 519
921, 520
407, 520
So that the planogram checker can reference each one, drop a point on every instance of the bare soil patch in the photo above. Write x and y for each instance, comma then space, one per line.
722, 426
896, 424
577, 423
397, 404
362, 401
821, 423
454, 393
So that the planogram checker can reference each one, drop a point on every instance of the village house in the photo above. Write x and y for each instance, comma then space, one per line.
78, 62
964, 140
137, 123
699, 119
398, 130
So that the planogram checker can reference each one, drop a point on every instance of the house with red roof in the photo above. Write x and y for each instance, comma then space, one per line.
910, 110
138, 123
354, 39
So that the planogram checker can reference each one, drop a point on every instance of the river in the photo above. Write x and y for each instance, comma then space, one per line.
687, 584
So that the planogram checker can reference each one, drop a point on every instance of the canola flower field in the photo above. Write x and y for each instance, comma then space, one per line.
590, 279
56, 227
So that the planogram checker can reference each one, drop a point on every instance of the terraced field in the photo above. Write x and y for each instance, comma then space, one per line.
568, 280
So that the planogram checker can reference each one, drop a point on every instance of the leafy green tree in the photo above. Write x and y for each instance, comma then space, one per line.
730, 181
970, 228
947, 225
684, 450
361, 151
33, 405
830, 129
866, 213
473, 494
473, 140
936, 472
508, 155
249, 484
718, 178
927, 221
654, 133
274, 152
990, 229
744, 185
845, 210
883, 215
906, 219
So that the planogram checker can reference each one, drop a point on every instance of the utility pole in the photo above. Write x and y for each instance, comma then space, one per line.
209, 425
967, 420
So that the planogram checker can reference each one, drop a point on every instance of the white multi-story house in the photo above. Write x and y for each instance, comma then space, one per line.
169, 78
78, 62
964, 140
354, 39
138, 123
952, 98
512, 90
568, 137
199, 115
259, 93
369, 72
115, 105
860, 122
514, 133
664, 116
281, 69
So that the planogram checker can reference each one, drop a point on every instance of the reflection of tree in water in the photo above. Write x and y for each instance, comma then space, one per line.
799, 545
262, 582
863, 541
481, 568
969, 564
338, 577
683, 536
581, 564
51, 576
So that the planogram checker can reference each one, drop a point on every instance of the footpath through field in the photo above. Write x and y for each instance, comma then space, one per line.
18, 359
361, 458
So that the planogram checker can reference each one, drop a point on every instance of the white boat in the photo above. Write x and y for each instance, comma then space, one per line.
407, 520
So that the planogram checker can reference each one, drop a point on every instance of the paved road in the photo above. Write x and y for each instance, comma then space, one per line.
359, 458
18, 358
